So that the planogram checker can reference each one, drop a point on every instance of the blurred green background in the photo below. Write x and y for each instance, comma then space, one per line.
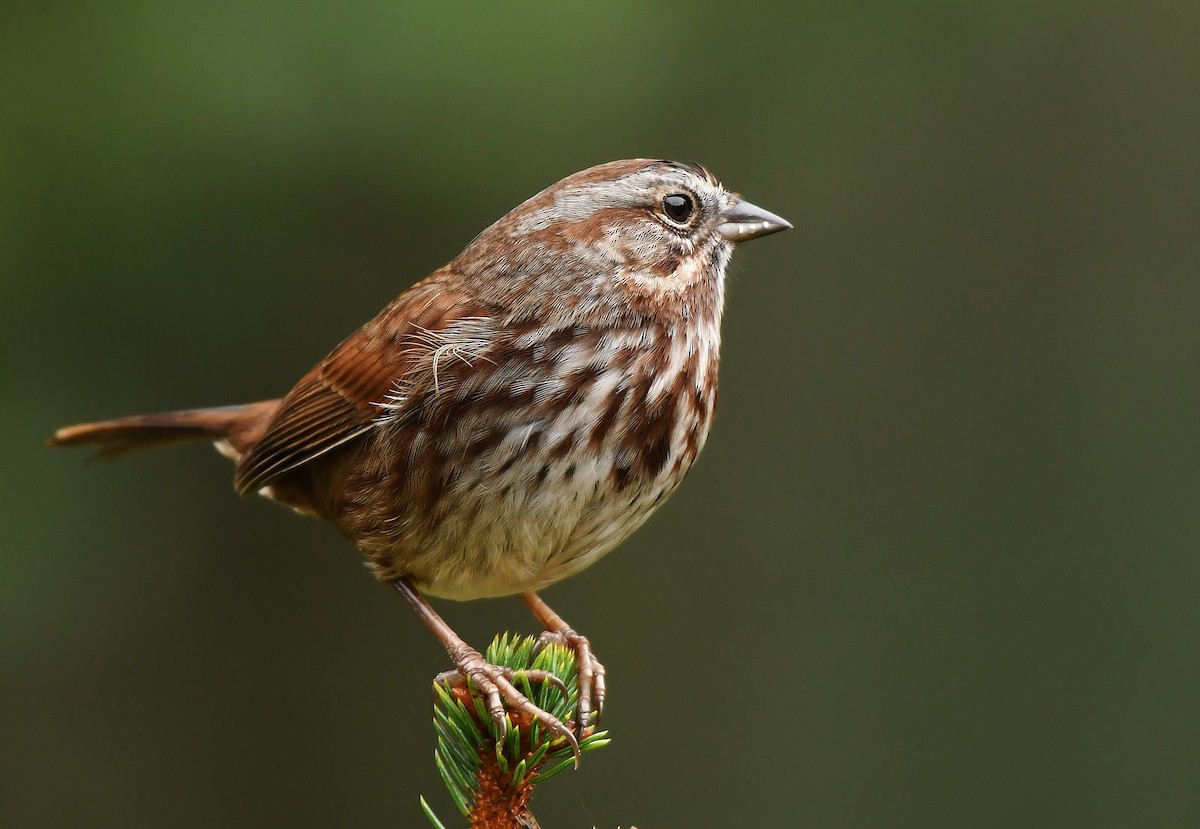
938, 565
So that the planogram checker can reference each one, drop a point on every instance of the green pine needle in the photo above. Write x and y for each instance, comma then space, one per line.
429, 814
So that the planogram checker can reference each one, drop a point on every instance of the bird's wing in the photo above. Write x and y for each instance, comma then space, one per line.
365, 382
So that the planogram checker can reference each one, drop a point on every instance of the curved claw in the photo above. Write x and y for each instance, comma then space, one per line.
537, 676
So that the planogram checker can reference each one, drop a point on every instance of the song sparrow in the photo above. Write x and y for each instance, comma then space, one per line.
515, 415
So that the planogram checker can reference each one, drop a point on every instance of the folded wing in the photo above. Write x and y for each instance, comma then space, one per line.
365, 382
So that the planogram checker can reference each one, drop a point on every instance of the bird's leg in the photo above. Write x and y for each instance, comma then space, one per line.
591, 672
493, 681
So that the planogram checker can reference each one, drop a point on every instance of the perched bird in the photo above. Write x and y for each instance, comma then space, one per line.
511, 418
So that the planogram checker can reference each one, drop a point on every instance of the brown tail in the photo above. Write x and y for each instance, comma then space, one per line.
238, 427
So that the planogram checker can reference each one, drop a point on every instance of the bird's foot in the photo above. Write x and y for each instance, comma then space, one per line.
496, 684
589, 670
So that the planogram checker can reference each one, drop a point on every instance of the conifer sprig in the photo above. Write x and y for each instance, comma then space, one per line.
491, 771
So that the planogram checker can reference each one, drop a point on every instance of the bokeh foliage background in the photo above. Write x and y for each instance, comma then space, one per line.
939, 565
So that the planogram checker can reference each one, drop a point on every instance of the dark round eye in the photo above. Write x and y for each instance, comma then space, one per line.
678, 207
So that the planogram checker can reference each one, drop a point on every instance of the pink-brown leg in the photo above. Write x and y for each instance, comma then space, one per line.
591, 672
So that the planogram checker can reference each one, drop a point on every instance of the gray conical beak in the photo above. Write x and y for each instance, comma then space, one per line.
743, 220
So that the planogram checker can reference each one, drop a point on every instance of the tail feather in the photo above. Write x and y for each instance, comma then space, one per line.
238, 427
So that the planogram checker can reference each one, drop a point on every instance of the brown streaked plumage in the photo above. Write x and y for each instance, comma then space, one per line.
515, 415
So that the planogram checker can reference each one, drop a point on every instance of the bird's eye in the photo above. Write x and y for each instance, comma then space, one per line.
678, 207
